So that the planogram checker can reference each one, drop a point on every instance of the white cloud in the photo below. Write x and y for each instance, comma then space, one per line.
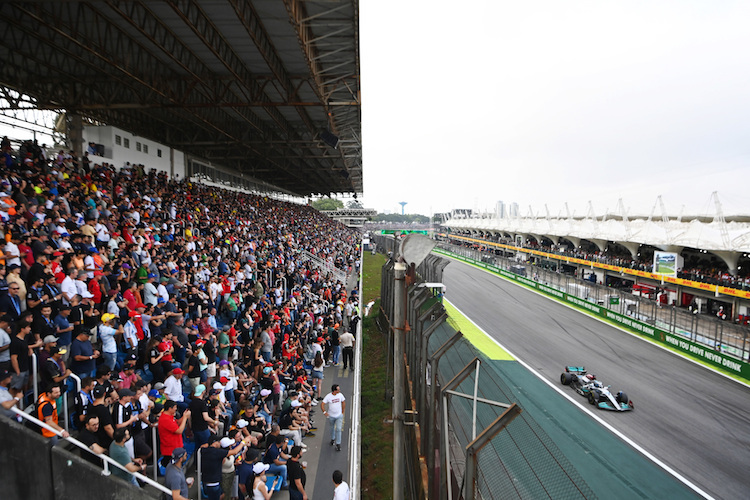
548, 101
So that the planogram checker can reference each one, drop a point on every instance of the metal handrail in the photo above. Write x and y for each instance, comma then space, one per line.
107, 460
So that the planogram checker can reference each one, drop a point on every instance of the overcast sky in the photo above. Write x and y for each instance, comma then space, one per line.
543, 102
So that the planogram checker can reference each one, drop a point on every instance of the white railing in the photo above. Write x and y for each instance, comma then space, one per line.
107, 460
324, 265
355, 469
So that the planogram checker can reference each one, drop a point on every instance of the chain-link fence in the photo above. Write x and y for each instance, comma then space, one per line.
466, 437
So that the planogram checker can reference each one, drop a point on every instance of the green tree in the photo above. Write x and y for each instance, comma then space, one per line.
327, 204
354, 204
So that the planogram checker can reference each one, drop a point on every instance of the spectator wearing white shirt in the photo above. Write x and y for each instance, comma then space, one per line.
173, 388
341, 489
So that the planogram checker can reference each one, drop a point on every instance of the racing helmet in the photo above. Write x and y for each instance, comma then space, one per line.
598, 384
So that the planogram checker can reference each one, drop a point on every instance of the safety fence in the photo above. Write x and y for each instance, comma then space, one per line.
465, 436
718, 343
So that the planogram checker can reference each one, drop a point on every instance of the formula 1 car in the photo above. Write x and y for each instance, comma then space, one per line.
597, 393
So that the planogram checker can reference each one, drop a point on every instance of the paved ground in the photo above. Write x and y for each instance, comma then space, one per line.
695, 421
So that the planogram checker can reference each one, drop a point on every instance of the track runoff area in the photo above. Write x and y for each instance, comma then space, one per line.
681, 441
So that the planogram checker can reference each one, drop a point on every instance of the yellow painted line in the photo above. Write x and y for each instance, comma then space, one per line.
479, 338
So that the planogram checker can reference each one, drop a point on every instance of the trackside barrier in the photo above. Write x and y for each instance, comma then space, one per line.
675, 341
465, 436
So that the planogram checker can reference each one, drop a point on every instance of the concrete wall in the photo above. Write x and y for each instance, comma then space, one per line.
31, 469
25, 466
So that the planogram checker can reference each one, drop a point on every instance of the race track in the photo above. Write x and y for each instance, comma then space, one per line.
692, 419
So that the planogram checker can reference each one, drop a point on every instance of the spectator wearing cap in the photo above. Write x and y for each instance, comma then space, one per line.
173, 388
150, 292
123, 418
171, 429
174, 478
107, 334
48, 342
213, 455
9, 397
53, 371
257, 484
83, 355
202, 423
128, 376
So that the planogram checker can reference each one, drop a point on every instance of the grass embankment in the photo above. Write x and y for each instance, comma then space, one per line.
377, 436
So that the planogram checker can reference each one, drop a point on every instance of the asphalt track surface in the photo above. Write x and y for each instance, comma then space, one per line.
692, 419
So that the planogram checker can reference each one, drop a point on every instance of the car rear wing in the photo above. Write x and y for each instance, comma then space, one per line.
575, 369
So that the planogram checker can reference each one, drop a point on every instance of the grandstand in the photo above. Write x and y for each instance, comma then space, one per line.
164, 256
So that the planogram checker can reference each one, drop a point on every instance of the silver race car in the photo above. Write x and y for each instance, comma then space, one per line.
597, 393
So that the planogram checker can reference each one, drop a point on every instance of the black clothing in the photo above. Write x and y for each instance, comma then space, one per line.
197, 407
295, 471
21, 348
105, 419
211, 459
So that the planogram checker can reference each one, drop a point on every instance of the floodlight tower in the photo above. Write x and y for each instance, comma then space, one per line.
403, 204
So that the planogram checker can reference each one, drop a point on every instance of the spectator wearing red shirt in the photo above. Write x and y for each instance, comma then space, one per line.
171, 429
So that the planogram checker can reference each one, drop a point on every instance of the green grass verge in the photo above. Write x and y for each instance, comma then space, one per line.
377, 436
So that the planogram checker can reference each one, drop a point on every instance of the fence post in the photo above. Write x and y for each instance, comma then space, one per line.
399, 317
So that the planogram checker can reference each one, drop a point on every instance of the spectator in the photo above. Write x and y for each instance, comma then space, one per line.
84, 355
347, 343
107, 335
171, 429
334, 406
47, 412
297, 476
9, 398
258, 488
213, 454
341, 489
100, 409
119, 453
174, 478
89, 437
275, 457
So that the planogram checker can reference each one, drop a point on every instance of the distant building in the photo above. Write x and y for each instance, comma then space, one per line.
500, 210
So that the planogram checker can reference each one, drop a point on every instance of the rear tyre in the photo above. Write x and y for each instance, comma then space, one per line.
566, 378
592, 398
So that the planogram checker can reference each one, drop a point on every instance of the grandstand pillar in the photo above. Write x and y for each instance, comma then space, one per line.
399, 318
75, 133
632, 248
730, 259
600, 244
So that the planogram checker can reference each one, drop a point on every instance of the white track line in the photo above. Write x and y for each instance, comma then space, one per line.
566, 394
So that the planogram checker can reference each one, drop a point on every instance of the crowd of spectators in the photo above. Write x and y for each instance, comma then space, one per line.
168, 307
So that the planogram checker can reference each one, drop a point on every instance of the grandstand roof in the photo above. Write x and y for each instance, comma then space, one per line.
254, 85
